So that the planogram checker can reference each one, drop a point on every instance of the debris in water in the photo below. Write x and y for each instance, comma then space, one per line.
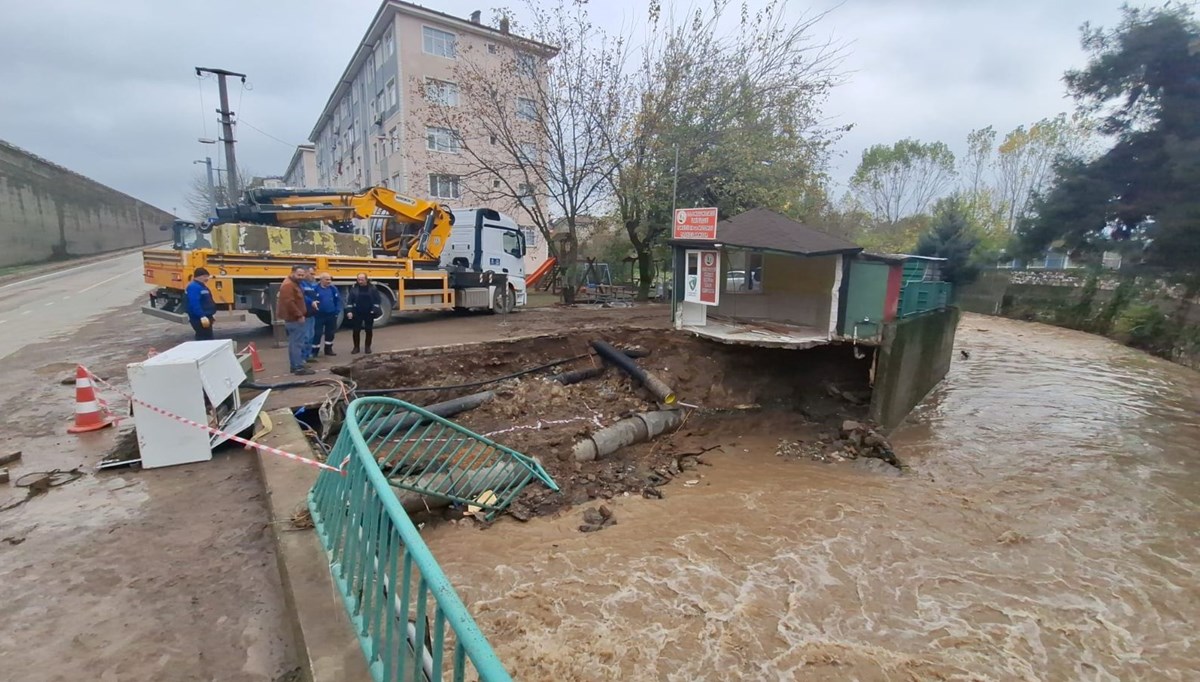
597, 519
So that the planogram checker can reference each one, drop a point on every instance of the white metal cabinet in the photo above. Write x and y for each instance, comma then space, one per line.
178, 381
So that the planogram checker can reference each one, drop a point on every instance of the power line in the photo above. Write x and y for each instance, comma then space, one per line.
203, 120
263, 132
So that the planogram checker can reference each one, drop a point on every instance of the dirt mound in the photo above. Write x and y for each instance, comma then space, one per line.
732, 388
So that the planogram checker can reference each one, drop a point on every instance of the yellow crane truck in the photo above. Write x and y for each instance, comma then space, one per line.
423, 256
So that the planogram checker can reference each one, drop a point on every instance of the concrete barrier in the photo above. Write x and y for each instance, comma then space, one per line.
913, 357
50, 213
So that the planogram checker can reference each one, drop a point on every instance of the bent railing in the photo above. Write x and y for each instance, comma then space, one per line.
409, 621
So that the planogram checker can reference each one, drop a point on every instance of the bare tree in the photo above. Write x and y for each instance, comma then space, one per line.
1027, 157
196, 198
903, 179
526, 127
739, 110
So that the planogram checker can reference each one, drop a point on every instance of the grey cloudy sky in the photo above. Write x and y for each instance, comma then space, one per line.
107, 88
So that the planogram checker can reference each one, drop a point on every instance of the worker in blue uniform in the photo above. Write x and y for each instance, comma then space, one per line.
200, 305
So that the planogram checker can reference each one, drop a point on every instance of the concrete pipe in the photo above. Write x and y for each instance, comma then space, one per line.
636, 429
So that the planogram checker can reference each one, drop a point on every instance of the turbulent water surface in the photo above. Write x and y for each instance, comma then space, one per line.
1048, 530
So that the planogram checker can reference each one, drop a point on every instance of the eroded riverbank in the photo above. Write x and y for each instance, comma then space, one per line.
1047, 530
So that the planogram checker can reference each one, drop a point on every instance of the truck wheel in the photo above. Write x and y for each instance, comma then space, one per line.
504, 300
263, 316
388, 305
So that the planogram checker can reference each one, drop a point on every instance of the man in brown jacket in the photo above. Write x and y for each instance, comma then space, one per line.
291, 309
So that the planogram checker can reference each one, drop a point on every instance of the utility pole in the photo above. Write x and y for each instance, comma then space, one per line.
675, 183
226, 124
212, 189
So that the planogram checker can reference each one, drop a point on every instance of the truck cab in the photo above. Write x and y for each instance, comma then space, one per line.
485, 241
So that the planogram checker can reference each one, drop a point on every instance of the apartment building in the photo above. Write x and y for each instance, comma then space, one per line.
302, 170
378, 127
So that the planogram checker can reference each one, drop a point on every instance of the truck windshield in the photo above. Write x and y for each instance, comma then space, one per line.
188, 238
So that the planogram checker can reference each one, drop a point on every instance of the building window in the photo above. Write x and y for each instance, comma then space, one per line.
393, 140
529, 153
492, 139
745, 273
444, 186
531, 236
527, 64
526, 109
444, 93
442, 140
495, 183
493, 48
391, 93
440, 43
525, 195
389, 42
396, 182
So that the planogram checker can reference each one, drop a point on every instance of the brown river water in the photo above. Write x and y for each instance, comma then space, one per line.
1049, 529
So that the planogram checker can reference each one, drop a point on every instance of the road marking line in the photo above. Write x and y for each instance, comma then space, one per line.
49, 304
3, 321
106, 281
63, 272
64, 298
26, 312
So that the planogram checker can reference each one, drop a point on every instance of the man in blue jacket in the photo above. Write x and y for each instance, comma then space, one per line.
328, 305
308, 285
200, 305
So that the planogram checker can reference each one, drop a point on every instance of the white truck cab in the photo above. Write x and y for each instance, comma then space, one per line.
487, 241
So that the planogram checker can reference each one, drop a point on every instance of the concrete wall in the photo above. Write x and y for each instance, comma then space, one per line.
795, 291
913, 357
48, 212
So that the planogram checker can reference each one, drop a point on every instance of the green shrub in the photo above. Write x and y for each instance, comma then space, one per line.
1144, 326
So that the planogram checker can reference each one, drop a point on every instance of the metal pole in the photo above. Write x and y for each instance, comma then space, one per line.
675, 184
212, 189
226, 125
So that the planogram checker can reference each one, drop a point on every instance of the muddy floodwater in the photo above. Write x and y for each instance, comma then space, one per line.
1048, 528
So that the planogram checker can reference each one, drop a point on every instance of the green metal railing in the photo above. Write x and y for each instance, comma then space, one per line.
920, 297
430, 455
409, 621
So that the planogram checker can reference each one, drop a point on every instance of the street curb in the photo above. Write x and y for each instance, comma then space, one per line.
326, 647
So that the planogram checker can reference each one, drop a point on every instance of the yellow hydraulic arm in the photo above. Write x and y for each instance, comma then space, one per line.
290, 207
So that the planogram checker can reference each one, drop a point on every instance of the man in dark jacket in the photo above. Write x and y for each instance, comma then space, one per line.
200, 305
362, 305
328, 306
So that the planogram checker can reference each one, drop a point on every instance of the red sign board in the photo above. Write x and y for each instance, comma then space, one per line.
710, 272
695, 223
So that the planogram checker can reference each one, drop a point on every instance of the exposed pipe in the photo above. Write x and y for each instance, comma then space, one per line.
443, 409
636, 429
578, 375
622, 361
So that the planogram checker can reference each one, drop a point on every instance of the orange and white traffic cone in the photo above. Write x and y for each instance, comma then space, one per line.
255, 363
88, 416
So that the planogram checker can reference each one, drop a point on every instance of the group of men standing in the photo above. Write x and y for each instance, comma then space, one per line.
310, 307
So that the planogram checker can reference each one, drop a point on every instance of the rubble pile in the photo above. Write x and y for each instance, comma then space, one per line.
855, 440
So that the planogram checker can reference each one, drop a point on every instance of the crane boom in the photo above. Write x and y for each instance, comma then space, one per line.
290, 207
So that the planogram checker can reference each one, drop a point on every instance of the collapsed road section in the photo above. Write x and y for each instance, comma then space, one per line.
603, 428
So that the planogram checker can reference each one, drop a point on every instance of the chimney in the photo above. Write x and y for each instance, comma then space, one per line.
504, 25
475, 16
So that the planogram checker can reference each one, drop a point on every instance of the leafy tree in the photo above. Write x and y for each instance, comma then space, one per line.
951, 237
903, 179
739, 110
1143, 80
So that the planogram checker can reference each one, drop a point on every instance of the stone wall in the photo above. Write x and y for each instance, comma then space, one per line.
1147, 312
914, 356
48, 213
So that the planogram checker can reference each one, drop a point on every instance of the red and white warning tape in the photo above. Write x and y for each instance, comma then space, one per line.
217, 432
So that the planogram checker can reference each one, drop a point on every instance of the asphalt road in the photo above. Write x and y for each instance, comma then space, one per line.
48, 306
